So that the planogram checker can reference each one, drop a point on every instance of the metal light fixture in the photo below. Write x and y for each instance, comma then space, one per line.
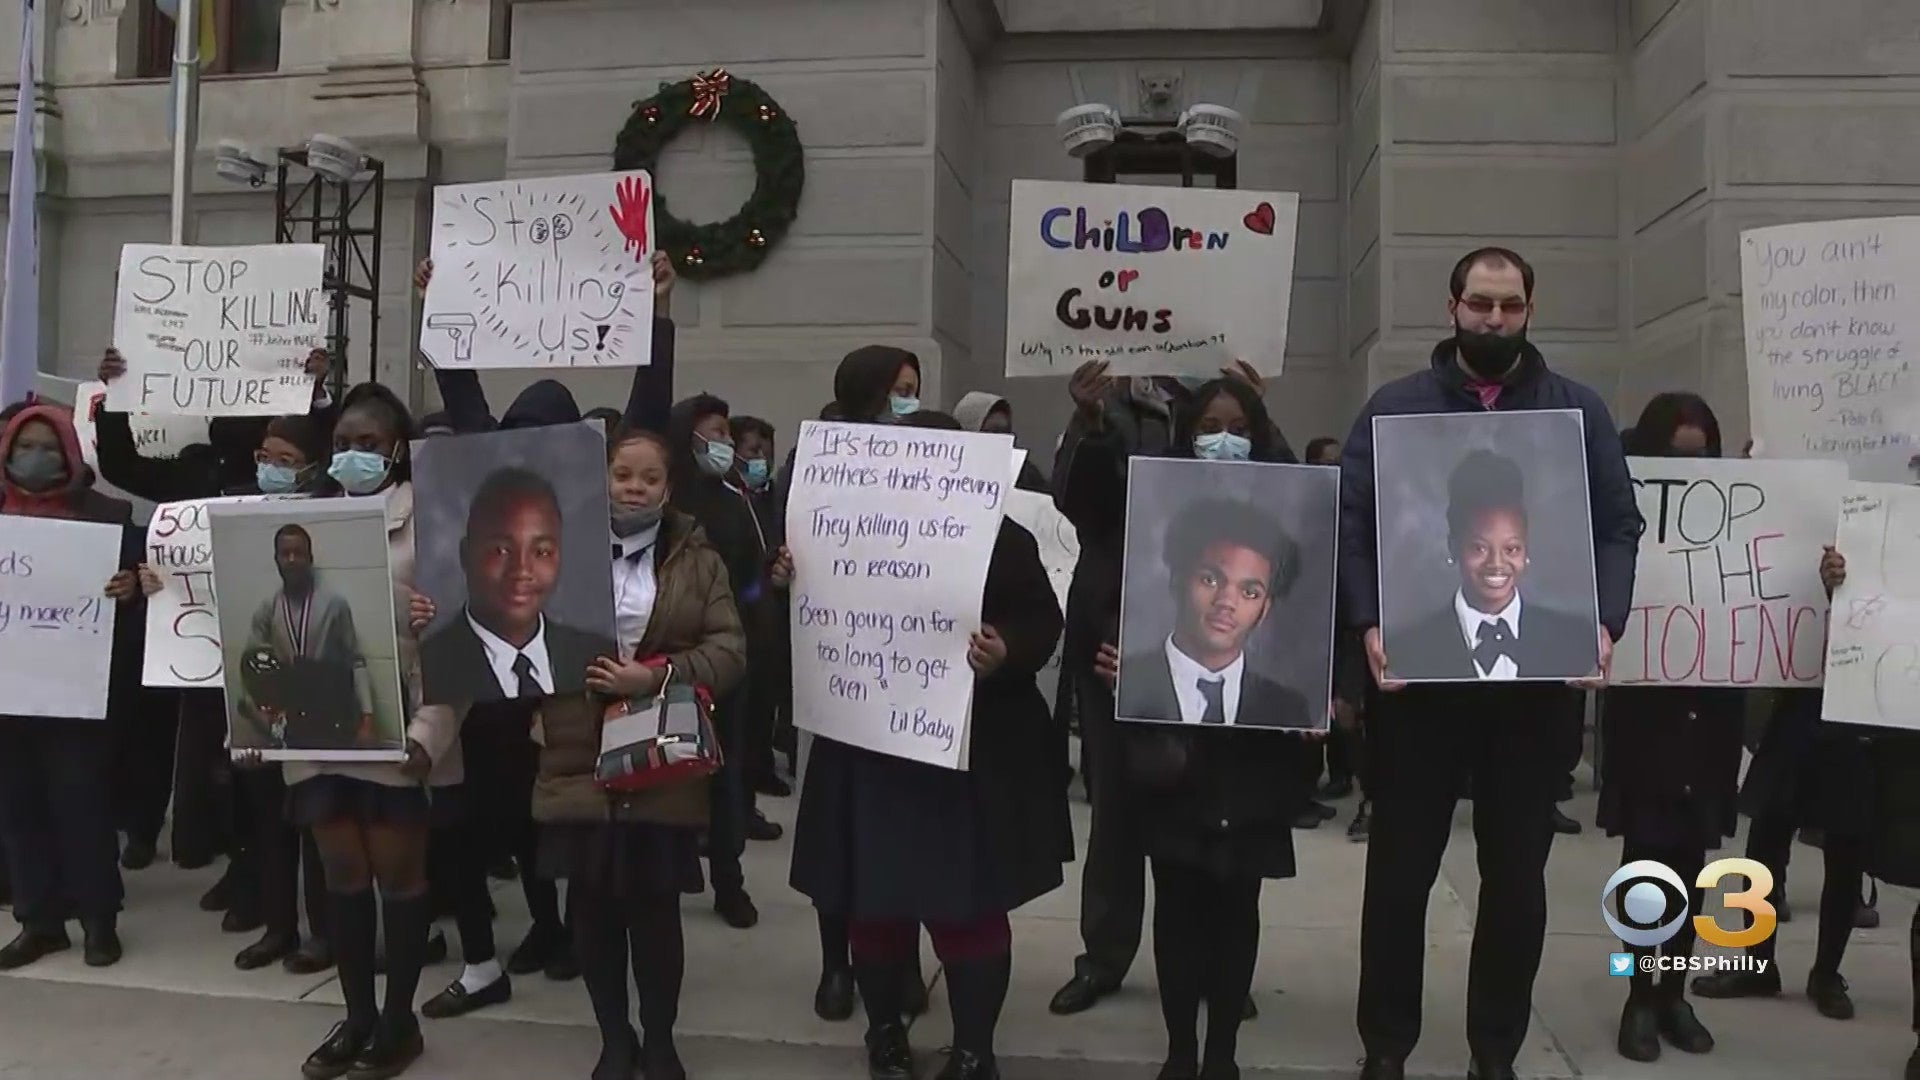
332, 156
1087, 129
238, 162
1213, 130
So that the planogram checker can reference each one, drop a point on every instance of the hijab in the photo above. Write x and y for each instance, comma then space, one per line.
864, 381
975, 407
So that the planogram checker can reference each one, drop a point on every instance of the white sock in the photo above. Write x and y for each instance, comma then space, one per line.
477, 977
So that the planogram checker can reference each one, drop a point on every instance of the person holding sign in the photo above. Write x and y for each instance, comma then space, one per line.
897, 844
1428, 741
1670, 772
56, 813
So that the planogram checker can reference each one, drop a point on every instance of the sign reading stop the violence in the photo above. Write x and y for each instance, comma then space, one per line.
1727, 591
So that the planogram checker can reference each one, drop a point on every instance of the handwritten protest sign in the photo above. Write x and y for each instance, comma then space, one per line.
1873, 655
552, 272
217, 331
1059, 544
891, 530
161, 436
1156, 281
1727, 592
1831, 340
56, 624
183, 621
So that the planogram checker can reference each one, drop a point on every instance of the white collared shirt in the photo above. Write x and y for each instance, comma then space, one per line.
634, 588
1188, 674
502, 657
1472, 619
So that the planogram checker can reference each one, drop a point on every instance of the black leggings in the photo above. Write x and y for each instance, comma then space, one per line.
610, 931
1770, 842
1206, 937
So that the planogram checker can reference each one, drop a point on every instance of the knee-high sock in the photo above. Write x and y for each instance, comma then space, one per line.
659, 964
976, 992
405, 919
351, 919
600, 948
834, 954
1235, 946
1839, 900
1179, 948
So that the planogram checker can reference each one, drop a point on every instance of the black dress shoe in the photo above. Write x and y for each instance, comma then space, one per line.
762, 830
1738, 984
1362, 823
771, 784
1563, 824
1639, 1038
536, 949
889, 1057
913, 996
1337, 787
1383, 1068
456, 1001
1829, 994
100, 942
618, 1060
736, 908
268, 950
312, 958
32, 945
138, 854
833, 998
394, 1047
331, 1059
1679, 1026
965, 1065
1081, 993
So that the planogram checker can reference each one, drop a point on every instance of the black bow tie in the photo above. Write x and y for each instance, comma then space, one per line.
1495, 640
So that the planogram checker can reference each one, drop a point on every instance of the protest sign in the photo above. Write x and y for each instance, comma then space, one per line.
217, 331
1831, 341
1155, 281
891, 529
154, 436
1873, 650
552, 272
1727, 591
183, 621
56, 623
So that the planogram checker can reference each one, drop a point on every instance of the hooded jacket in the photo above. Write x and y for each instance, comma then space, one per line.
544, 404
972, 412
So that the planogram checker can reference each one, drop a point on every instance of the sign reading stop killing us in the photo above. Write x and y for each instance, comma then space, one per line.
217, 331
1727, 591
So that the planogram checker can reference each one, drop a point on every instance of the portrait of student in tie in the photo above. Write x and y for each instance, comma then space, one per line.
515, 562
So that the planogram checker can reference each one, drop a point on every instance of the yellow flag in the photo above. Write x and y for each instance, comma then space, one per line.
209, 38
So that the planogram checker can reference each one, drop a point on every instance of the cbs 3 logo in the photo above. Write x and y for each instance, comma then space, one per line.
1653, 900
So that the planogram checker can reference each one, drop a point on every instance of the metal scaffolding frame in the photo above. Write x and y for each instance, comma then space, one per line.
310, 207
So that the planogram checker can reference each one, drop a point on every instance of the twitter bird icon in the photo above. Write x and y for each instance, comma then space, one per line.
1620, 963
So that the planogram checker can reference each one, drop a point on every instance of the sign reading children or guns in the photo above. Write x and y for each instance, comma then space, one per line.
183, 622
217, 331
891, 530
1727, 591
56, 624
1831, 341
1155, 281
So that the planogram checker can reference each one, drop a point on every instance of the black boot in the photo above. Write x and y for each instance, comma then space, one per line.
1678, 1024
1639, 1025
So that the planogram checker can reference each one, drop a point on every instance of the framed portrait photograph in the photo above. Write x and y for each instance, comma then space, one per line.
308, 629
1227, 596
1485, 547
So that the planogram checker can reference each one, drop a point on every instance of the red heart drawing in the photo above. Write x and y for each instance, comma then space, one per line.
1261, 220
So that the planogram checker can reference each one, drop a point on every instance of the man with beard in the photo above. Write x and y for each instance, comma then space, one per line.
1427, 741
307, 687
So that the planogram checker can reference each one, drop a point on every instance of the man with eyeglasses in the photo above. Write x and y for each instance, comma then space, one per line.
1429, 741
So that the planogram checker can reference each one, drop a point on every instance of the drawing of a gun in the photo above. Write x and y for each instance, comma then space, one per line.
462, 328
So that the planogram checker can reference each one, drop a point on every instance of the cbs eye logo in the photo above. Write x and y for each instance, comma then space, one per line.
1652, 901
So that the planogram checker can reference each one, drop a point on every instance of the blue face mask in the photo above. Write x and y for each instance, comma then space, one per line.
1222, 446
276, 479
715, 458
754, 472
360, 472
903, 406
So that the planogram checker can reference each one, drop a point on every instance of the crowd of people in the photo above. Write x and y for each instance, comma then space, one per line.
377, 854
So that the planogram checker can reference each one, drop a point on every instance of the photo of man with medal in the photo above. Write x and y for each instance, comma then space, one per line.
304, 676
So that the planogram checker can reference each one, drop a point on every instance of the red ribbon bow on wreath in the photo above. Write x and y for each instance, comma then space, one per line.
709, 89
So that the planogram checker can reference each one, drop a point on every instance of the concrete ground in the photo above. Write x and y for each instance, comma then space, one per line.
175, 1007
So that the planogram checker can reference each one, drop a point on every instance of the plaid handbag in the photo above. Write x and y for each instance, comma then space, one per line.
667, 739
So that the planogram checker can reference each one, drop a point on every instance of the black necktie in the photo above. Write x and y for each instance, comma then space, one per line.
523, 671
631, 556
1494, 641
1212, 689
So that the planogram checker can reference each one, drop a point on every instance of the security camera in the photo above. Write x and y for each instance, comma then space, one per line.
238, 162
1087, 129
1213, 130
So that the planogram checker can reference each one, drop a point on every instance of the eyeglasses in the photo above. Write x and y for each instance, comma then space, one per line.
1480, 305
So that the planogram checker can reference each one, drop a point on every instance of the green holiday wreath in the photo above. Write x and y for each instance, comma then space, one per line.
742, 241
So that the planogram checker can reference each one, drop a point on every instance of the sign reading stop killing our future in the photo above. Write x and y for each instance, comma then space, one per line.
217, 331
1155, 281
183, 622
1832, 335
554, 272
1727, 591
891, 530
56, 623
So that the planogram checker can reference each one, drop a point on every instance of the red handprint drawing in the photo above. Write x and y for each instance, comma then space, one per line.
632, 209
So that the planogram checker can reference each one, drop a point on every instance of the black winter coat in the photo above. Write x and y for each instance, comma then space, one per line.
1670, 763
881, 837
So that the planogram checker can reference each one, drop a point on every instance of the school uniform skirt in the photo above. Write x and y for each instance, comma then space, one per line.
1817, 775
622, 860
331, 797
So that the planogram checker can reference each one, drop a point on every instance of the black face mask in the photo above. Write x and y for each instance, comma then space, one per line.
1490, 357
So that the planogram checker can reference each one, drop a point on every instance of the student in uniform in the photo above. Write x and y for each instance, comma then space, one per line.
56, 816
371, 821
627, 857
1670, 774
761, 610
